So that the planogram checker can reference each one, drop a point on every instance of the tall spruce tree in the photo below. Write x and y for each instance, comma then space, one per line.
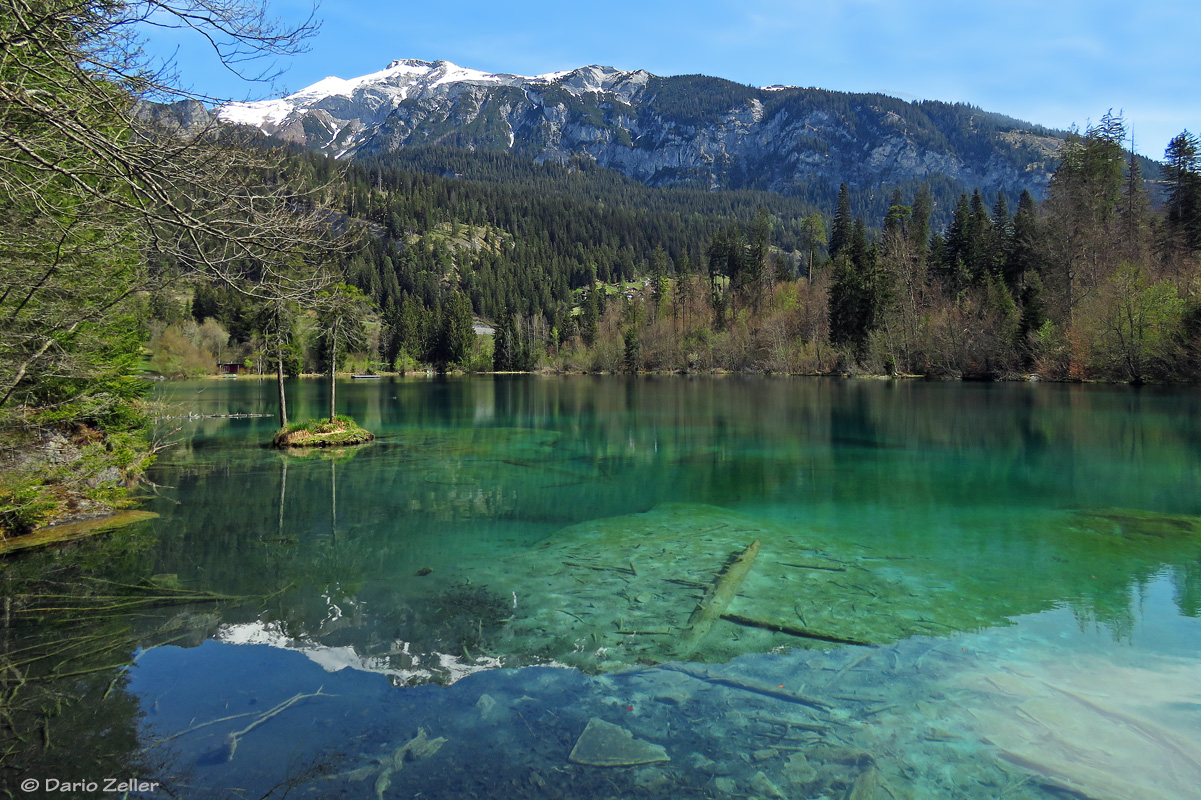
840, 231
1182, 174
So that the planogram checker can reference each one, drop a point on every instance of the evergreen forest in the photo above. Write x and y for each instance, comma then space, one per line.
578, 268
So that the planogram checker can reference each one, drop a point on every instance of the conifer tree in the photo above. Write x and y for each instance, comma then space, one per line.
919, 224
1134, 216
840, 232
1182, 173
456, 333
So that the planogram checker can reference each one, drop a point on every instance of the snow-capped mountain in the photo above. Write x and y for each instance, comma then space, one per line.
691, 128
347, 113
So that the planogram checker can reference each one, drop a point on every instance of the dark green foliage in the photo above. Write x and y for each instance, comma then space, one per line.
590, 314
919, 222
695, 99
1182, 173
506, 345
860, 291
840, 231
455, 333
1022, 256
631, 351
898, 214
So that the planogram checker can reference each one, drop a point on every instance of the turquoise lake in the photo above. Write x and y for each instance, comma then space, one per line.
933, 590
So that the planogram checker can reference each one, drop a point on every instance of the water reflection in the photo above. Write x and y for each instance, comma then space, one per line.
974, 492
1038, 710
579, 521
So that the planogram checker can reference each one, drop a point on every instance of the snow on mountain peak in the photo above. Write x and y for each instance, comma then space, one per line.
370, 98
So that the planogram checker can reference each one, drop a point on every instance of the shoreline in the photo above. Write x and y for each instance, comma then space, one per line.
969, 378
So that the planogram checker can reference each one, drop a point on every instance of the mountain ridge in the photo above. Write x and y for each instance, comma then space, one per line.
692, 129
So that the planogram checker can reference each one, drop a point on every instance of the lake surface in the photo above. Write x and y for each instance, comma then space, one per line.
954, 590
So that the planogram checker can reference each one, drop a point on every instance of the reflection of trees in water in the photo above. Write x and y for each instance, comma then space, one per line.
66, 638
967, 479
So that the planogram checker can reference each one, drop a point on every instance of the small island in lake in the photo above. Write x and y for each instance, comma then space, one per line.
336, 432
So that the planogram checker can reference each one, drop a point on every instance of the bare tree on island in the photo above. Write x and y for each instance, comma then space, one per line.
93, 191
341, 310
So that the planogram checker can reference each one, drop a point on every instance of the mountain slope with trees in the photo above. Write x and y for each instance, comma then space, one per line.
664, 131
580, 268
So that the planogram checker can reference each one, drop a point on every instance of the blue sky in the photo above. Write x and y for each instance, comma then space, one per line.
1053, 62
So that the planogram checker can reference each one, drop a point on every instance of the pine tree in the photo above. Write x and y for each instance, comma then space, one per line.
919, 224
502, 345
456, 333
840, 232
658, 278
1134, 216
755, 278
1023, 252
1182, 173
1000, 241
898, 214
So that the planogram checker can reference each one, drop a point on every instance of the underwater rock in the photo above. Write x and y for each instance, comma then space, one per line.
673, 696
799, 771
651, 779
762, 786
190, 628
167, 580
727, 786
488, 708
603, 744
865, 785
421, 746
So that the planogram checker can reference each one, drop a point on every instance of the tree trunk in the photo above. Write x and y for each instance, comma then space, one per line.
283, 400
333, 357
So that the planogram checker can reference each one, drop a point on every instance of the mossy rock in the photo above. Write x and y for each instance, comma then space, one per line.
338, 432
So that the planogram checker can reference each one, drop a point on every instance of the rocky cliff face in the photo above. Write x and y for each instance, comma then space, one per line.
662, 131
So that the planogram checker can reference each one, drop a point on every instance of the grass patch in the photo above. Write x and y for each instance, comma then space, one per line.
338, 432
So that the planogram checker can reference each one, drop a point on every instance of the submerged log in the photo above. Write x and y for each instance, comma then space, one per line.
791, 630
719, 595
746, 685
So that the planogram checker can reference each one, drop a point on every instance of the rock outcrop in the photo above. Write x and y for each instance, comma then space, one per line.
661, 131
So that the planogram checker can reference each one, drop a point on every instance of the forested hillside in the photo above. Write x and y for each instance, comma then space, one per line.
581, 268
